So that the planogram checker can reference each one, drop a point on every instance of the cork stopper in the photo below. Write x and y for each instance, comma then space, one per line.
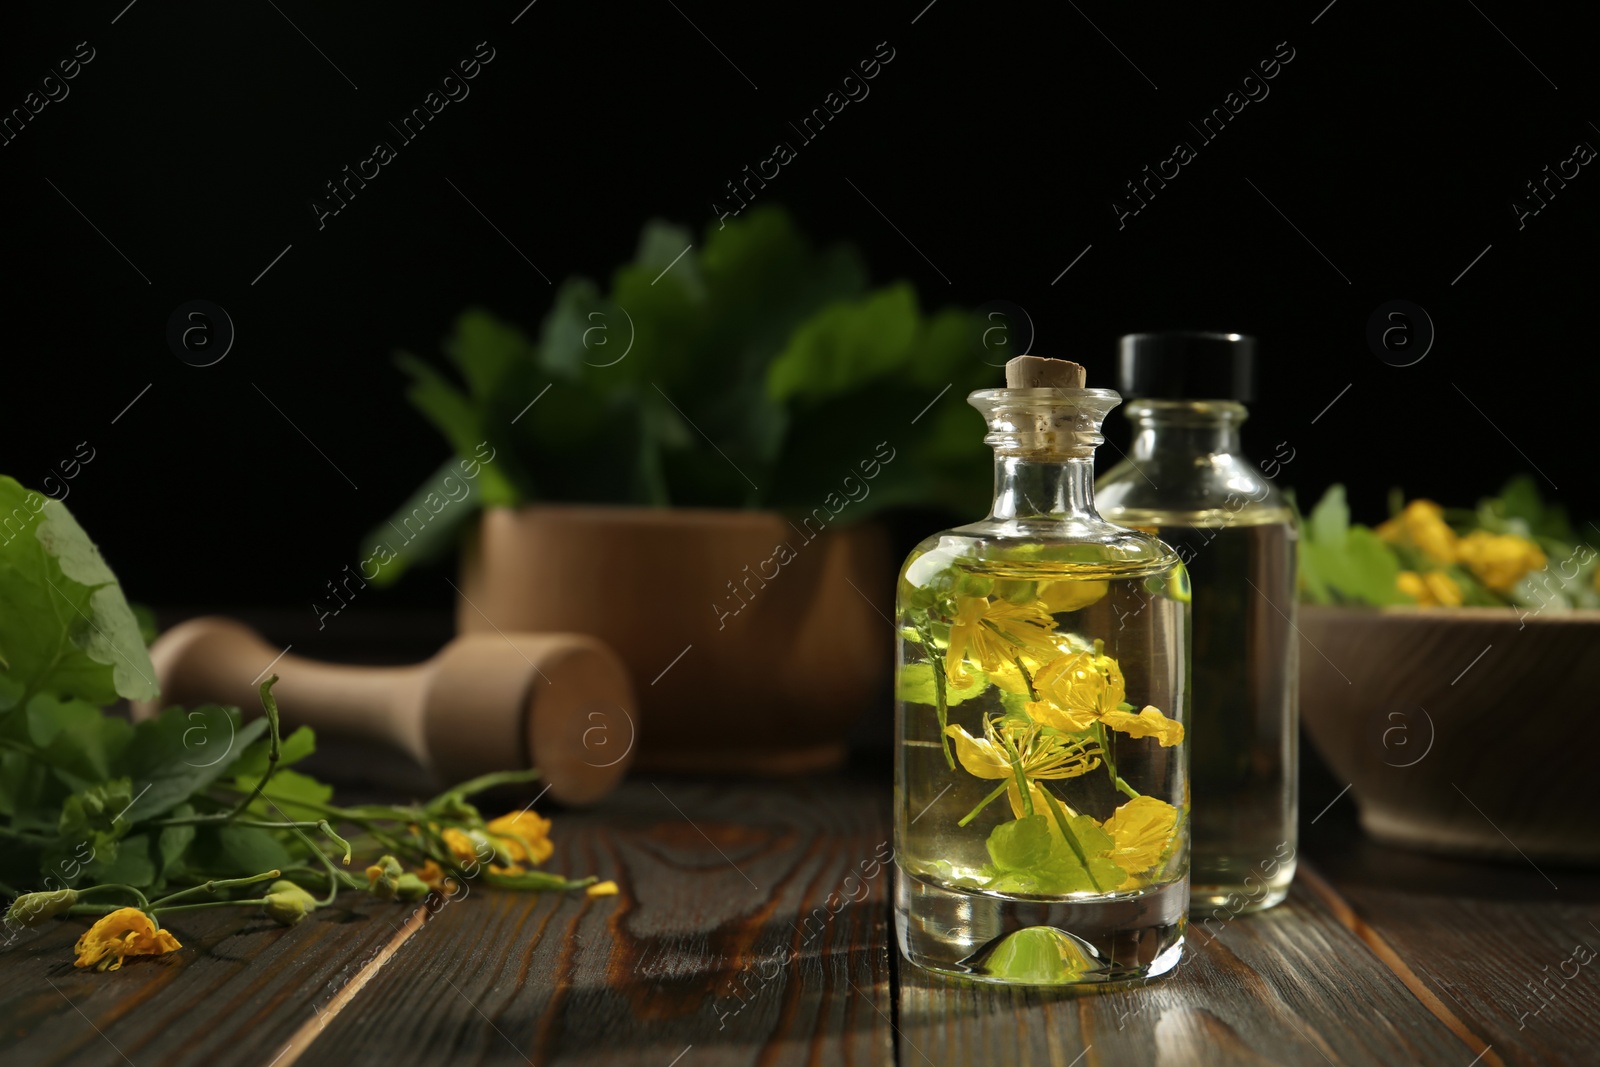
1039, 372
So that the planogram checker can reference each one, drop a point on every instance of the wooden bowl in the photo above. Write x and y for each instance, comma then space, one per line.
753, 647
1467, 731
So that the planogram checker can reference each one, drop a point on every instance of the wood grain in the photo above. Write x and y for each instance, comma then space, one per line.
753, 927
732, 938
1480, 937
1291, 985
237, 991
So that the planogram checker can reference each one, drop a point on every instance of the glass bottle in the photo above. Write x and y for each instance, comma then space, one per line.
1186, 480
1041, 793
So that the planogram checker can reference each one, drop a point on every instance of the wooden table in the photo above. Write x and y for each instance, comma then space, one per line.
734, 941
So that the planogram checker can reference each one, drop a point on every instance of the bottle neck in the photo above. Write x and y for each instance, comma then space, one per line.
1026, 487
1188, 427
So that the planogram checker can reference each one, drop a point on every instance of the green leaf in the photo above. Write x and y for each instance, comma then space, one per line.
98, 809
488, 352
91, 824
1362, 572
173, 841
287, 796
1345, 564
1021, 843
29, 793
297, 746
462, 423
230, 851
425, 527
78, 741
917, 686
846, 345
1330, 519
131, 865
66, 628
1032, 856
210, 740
146, 618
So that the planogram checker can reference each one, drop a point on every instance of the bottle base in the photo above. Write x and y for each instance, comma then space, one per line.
1226, 897
1017, 941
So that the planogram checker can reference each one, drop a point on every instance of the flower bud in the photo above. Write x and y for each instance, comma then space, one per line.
287, 903
491, 847
32, 909
409, 887
383, 877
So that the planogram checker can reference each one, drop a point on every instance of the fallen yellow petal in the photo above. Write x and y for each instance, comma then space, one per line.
602, 889
125, 932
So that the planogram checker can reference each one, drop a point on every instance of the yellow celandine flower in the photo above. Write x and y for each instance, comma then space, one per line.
125, 932
1077, 689
433, 876
1148, 723
1422, 523
602, 889
991, 632
1142, 830
525, 836
1070, 595
1433, 589
1080, 689
1041, 756
1499, 560
460, 846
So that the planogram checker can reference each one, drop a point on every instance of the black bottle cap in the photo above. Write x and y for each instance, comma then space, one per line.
1188, 365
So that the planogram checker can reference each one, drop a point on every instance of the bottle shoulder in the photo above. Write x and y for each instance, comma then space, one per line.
1086, 549
1206, 490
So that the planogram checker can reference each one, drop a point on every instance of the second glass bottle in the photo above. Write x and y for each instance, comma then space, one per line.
1186, 480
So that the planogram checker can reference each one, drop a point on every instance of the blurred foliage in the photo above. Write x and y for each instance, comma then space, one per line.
1512, 550
748, 369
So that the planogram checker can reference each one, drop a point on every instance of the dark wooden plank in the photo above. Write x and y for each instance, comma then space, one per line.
1291, 985
721, 939
1479, 937
236, 993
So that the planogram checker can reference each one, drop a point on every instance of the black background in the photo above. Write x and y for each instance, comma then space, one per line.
996, 140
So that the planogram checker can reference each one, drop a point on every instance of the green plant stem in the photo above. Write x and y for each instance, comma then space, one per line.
984, 803
23, 747
1021, 775
273, 754
1111, 763
260, 901
482, 782
140, 897
1027, 678
214, 885
940, 690
23, 835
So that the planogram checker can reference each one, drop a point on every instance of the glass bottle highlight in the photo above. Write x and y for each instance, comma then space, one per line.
1186, 480
1042, 814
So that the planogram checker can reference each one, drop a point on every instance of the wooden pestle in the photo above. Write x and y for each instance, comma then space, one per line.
486, 702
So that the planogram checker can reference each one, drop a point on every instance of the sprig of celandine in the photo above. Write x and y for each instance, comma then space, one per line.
445, 834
